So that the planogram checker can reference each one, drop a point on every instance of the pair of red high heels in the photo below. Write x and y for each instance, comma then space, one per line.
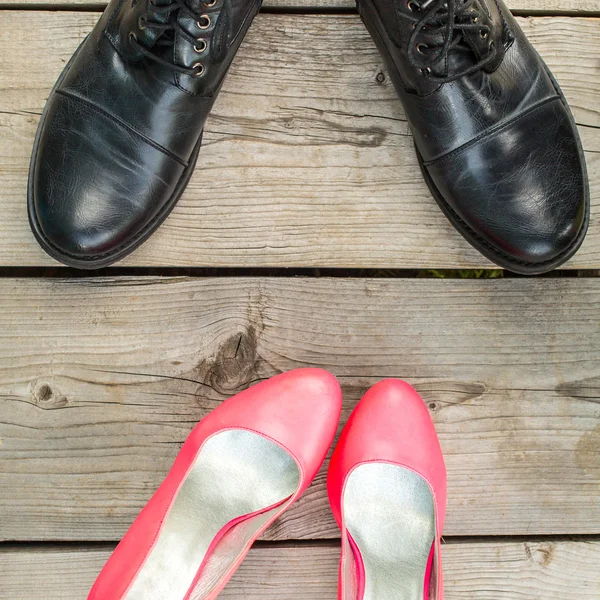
251, 458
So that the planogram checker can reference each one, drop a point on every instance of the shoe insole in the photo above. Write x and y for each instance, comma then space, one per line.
389, 513
236, 473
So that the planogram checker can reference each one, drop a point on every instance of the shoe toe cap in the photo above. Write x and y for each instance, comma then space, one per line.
95, 185
521, 192
307, 403
299, 409
390, 424
392, 420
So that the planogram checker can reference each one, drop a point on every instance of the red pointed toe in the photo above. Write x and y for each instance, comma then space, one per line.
387, 489
240, 468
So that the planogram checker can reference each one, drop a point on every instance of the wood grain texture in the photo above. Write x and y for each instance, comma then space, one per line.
473, 571
307, 159
102, 379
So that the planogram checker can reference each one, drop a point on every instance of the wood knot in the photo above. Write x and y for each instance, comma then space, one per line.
47, 397
540, 554
235, 365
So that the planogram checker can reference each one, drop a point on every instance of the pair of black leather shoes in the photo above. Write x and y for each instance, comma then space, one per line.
496, 141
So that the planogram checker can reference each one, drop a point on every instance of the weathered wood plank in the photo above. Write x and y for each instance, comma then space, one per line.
473, 571
101, 380
579, 7
307, 158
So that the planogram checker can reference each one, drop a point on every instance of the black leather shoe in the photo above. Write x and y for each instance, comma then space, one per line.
495, 139
121, 131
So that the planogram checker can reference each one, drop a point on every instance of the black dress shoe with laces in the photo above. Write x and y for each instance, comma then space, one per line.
122, 128
495, 139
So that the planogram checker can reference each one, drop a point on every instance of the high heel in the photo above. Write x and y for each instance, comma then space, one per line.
240, 468
387, 489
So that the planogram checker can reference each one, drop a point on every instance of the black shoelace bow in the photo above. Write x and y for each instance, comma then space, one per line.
450, 20
163, 21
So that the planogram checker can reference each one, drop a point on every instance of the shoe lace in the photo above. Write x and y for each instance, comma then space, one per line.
163, 21
447, 21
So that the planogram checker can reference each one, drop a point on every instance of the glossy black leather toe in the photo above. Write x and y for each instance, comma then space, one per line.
97, 184
521, 190
496, 140
122, 128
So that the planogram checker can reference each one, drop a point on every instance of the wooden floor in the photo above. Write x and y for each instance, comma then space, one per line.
307, 165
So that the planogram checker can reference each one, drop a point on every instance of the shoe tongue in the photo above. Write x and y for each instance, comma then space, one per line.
164, 43
461, 58
463, 54
160, 42
196, 5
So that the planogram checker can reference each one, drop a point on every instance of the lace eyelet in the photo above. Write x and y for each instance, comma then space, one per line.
474, 20
132, 37
413, 6
199, 69
426, 71
200, 46
209, 3
483, 34
422, 48
142, 22
203, 22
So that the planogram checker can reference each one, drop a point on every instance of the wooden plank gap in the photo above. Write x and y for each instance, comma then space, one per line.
279, 272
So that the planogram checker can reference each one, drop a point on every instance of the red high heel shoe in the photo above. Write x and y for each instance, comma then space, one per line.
240, 468
387, 489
